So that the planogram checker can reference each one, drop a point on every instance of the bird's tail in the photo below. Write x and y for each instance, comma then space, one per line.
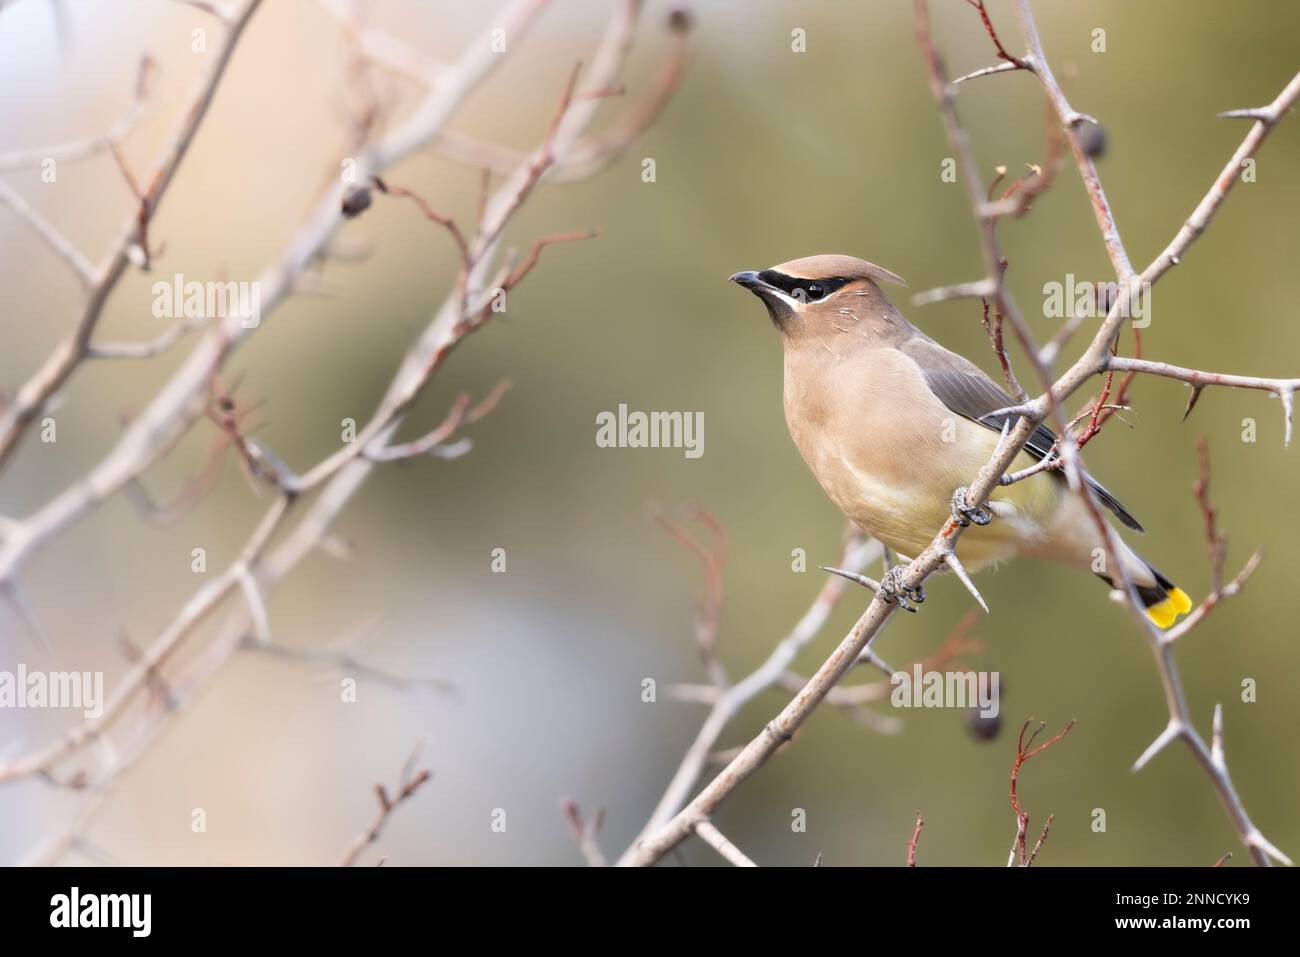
1164, 601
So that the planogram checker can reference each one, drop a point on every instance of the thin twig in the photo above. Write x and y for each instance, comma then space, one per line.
410, 781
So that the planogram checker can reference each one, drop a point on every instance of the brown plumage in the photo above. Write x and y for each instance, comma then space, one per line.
891, 424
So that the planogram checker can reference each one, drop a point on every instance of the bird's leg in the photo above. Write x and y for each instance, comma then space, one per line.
965, 513
894, 588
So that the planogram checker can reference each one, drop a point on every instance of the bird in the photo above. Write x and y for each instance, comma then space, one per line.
891, 423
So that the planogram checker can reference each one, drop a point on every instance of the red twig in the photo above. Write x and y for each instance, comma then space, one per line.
1217, 545
585, 831
1026, 189
1025, 751
993, 35
529, 261
1214, 540
447, 222
916, 836
463, 412
957, 643
713, 558
1121, 396
410, 781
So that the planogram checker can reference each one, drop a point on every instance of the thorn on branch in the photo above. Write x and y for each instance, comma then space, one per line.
988, 71
951, 560
1258, 114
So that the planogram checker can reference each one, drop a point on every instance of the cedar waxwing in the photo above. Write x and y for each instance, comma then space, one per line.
892, 424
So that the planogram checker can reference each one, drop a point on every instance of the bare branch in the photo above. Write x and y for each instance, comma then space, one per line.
343, 661
1011, 61
383, 49
711, 836
47, 234
462, 413
38, 389
77, 150
585, 832
410, 782
1024, 752
178, 403
341, 474
916, 836
145, 350
713, 559
728, 704
1284, 389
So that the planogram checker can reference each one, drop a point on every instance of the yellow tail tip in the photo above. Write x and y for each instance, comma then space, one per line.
1176, 603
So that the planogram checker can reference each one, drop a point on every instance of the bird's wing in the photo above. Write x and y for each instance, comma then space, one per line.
964, 388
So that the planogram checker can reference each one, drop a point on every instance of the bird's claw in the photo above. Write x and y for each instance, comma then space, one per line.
894, 588
964, 513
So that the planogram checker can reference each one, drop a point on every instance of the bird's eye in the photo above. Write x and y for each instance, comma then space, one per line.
815, 290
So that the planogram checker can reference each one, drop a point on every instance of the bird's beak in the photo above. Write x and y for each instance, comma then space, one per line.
777, 303
749, 280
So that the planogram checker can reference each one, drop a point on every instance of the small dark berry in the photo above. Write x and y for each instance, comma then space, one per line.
982, 728
1091, 139
680, 21
356, 201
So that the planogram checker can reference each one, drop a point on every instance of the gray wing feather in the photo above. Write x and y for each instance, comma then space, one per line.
964, 388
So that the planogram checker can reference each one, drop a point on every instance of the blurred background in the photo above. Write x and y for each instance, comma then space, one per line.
764, 155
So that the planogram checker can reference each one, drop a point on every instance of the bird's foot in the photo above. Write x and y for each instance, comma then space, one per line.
894, 588
964, 513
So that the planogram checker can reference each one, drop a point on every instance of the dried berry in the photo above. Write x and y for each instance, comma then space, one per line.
356, 201
983, 728
680, 21
1091, 139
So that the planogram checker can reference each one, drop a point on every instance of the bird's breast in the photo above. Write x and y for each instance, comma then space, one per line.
889, 454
